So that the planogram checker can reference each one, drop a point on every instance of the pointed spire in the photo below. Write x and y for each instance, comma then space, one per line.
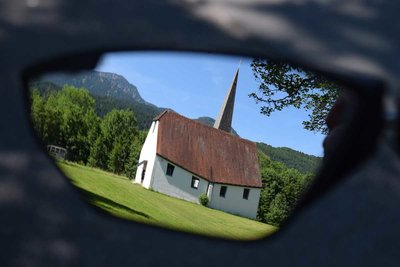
224, 120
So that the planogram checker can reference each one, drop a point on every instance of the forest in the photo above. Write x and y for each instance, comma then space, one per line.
67, 118
71, 118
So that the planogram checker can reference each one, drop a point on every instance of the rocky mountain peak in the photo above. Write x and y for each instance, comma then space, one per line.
99, 83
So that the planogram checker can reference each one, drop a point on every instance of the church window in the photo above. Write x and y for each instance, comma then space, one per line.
195, 182
246, 193
170, 169
222, 191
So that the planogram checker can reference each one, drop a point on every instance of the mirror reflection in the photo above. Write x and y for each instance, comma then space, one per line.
208, 144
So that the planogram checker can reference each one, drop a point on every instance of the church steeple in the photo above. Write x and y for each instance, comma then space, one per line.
224, 120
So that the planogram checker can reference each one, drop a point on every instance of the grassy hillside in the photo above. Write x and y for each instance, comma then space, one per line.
118, 196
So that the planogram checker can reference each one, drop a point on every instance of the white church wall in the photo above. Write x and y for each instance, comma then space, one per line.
148, 153
233, 201
179, 184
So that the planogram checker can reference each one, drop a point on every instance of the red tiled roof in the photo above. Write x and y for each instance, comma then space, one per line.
212, 154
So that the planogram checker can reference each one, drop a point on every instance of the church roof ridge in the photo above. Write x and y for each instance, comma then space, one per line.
158, 117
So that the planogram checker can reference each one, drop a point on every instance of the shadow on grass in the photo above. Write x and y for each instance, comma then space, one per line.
104, 203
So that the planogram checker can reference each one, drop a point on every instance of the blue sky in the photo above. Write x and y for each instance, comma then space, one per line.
195, 84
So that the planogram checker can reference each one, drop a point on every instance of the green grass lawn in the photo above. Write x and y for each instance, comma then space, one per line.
120, 197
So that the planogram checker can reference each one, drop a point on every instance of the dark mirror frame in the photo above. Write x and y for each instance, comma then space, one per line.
45, 223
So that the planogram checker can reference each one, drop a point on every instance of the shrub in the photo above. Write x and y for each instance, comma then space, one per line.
203, 199
278, 210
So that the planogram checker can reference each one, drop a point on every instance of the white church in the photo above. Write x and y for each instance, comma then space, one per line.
184, 158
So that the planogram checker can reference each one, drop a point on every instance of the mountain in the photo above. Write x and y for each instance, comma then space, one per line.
144, 112
45, 87
291, 158
109, 91
99, 84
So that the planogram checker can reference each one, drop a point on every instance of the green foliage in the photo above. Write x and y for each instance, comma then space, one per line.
67, 118
144, 112
45, 88
282, 189
291, 158
98, 154
38, 113
278, 210
203, 199
113, 147
283, 85
119, 156
135, 149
